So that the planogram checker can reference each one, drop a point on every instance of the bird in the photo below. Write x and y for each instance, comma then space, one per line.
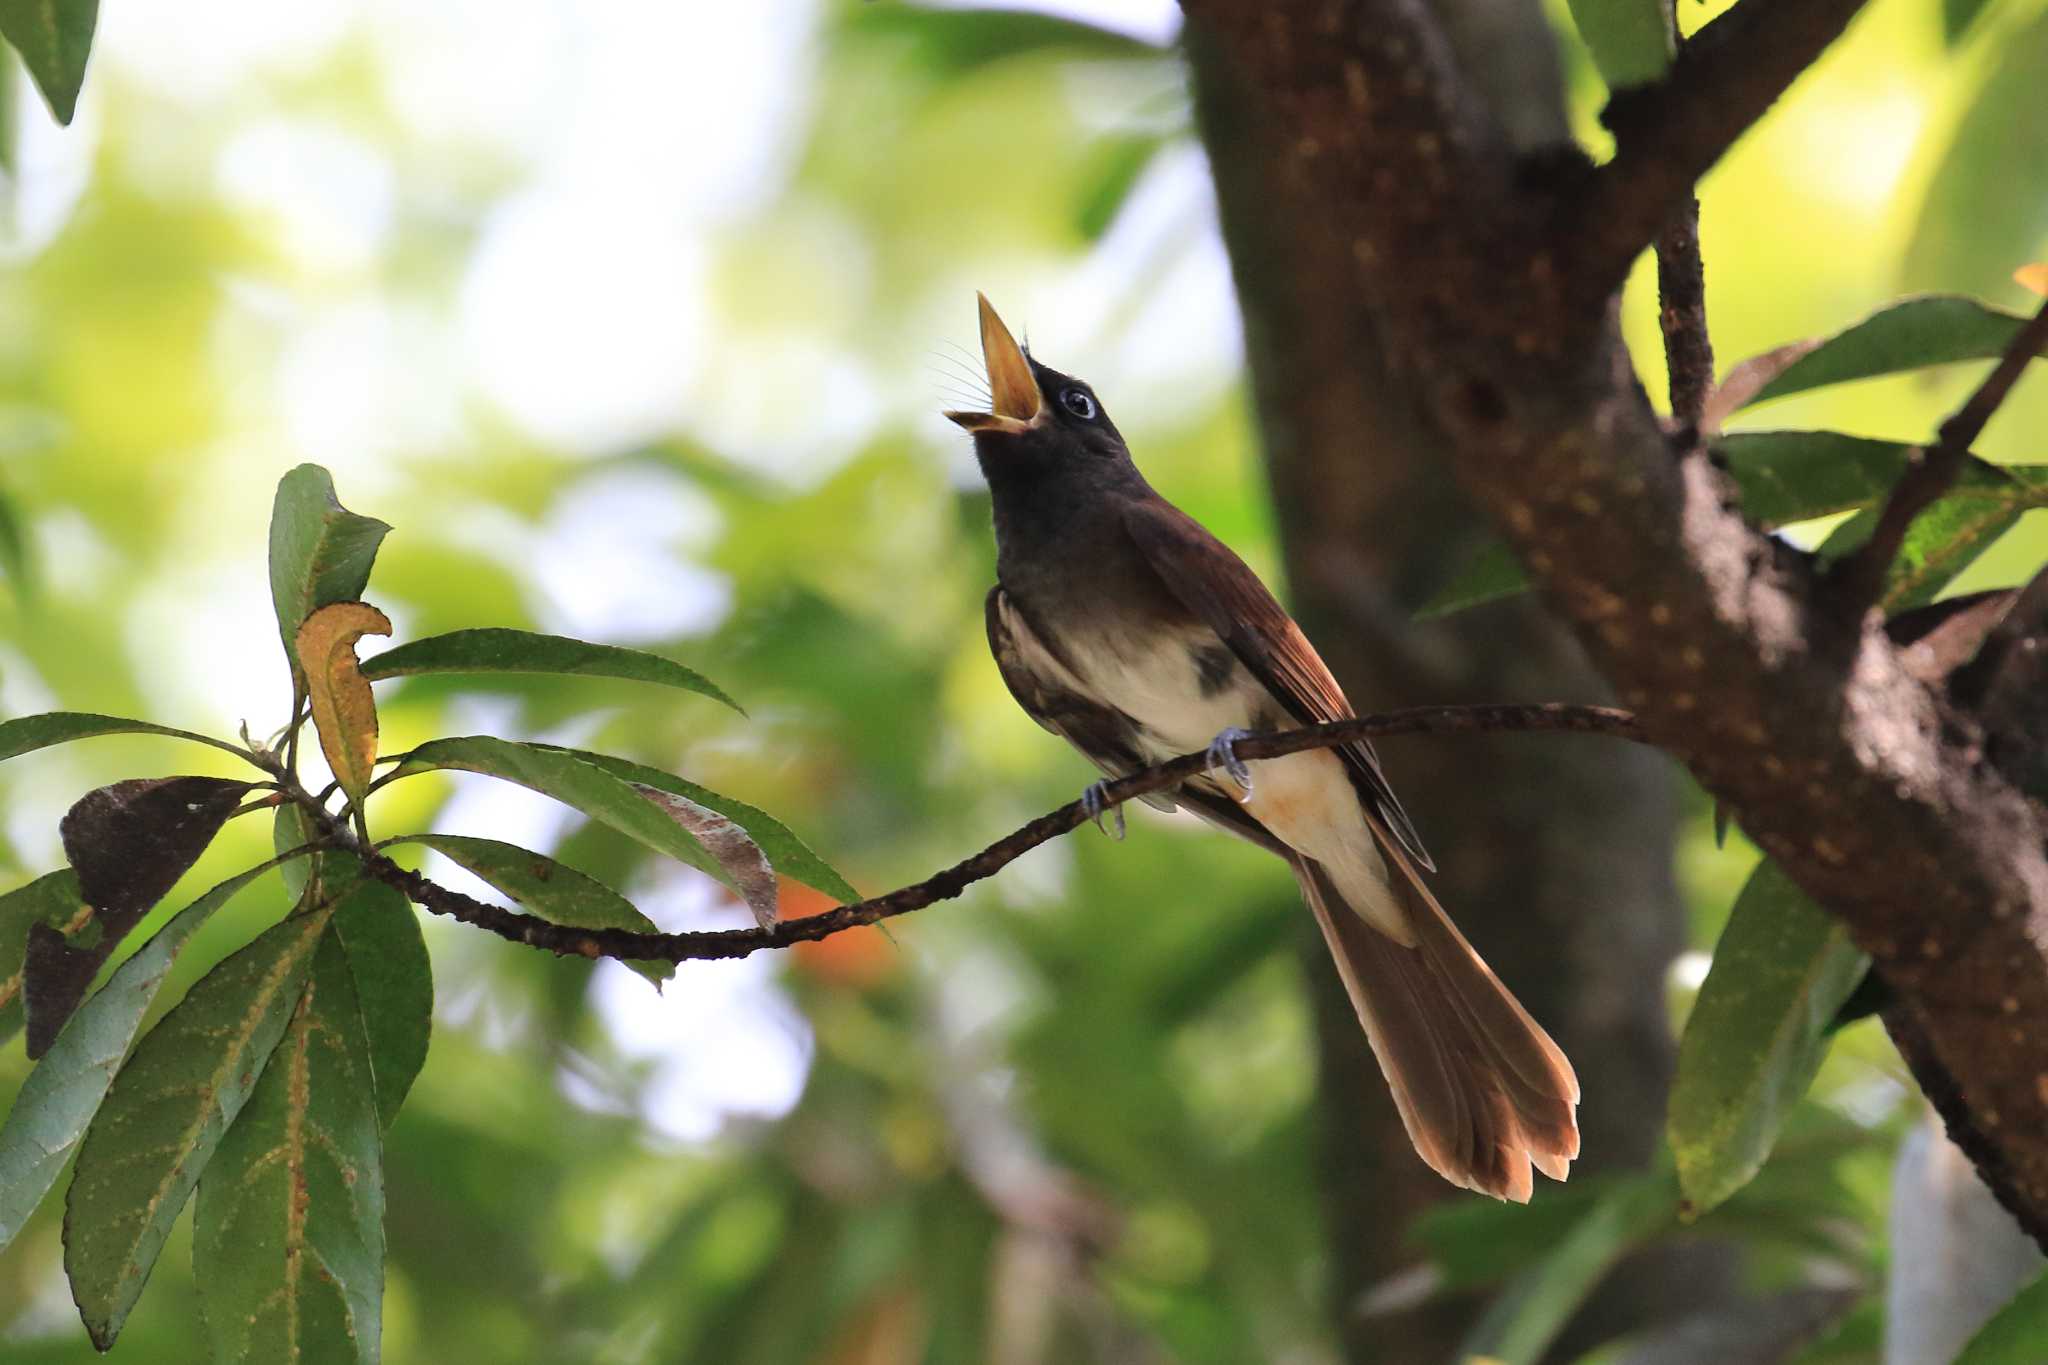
1121, 625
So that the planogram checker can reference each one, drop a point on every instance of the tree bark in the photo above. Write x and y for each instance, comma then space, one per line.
1555, 861
1482, 277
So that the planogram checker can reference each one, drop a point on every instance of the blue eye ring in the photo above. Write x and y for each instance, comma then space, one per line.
1077, 401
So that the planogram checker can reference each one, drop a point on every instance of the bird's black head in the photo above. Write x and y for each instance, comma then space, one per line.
1039, 417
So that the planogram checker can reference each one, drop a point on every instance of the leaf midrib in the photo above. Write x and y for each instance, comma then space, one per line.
231, 1058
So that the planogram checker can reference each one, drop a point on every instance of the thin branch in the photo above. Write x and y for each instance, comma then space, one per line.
1668, 134
252, 756
1540, 717
291, 730
1859, 579
1682, 313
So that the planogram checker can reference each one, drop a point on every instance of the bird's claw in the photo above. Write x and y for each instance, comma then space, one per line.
1095, 807
1223, 754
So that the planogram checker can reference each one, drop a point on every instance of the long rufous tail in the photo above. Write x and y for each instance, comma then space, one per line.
1483, 1091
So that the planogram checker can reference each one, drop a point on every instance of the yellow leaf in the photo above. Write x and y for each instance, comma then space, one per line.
2034, 277
344, 712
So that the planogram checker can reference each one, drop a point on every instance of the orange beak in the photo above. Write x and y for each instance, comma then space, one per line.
1014, 390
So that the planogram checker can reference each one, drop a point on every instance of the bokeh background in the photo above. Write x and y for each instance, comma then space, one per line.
635, 320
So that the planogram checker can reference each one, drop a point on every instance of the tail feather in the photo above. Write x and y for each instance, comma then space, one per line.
1483, 1091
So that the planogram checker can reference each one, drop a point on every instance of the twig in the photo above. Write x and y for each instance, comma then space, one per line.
1682, 313
291, 730
1932, 470
1539, 717
1668, 134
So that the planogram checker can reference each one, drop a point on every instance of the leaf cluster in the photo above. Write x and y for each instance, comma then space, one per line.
267, 1087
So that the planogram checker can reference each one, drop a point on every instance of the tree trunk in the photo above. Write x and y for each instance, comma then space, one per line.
1555, 855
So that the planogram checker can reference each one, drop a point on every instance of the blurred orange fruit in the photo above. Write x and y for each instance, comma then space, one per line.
853, 958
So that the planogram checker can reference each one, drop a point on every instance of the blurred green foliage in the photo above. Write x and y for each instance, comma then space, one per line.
1068, 1118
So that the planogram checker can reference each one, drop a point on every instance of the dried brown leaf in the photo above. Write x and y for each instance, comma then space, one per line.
746, 866
1748, 378
344, 712
129, 844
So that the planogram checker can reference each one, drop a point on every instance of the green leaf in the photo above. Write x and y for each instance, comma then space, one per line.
1757, 1034
129, 844
791, 855
290, 829
320, 552
1956, 18
1472, 1243
1491, 574
2015, 1332
1519, 1326
288, 1236
1935, 329
567, 778
1784, 476
26, 734
10, 149
1111, 175
554, 891
1983, 213
1632, 41
1793, 476
1947, 537
166, 1114
64, 1090
394, 979
952, 44
54, 38
53, 899
1943, 541
16, 563
521, 651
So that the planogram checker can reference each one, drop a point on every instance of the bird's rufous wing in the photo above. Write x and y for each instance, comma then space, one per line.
1221, 591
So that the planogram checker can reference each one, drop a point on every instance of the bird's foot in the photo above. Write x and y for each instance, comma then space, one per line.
1223, 754
1095, 807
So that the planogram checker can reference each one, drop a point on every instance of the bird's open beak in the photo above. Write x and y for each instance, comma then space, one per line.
1014, 390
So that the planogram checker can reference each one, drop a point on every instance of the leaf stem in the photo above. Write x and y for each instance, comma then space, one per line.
291, 730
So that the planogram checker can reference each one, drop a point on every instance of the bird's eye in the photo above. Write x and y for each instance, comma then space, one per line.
1078, 402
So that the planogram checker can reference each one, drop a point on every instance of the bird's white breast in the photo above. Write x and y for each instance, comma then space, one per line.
1153, 679
1307, 799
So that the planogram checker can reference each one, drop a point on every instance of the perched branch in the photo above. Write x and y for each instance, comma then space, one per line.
1669, 134
1682, 313
1860, 577
1541, 717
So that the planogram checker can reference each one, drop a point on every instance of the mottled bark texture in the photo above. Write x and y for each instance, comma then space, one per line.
1557, 864
1394, 244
